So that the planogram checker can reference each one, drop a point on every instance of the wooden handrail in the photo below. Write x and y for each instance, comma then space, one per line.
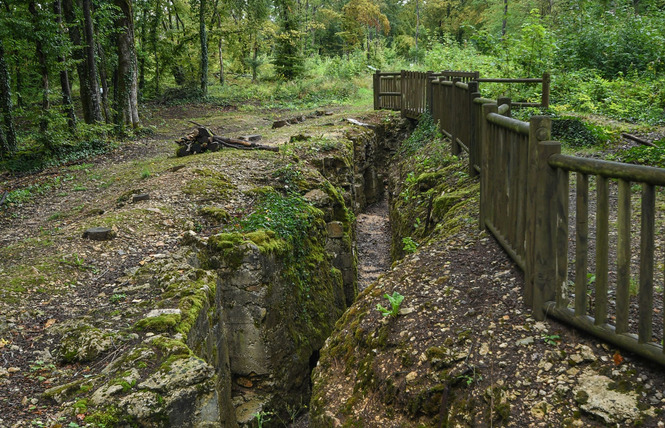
509, 122
609, 169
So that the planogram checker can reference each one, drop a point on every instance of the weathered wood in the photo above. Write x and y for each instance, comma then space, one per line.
562, 191
581, 243
546, 218
635, 173
377, 89
602, 248
645, 295
638, 139
510, 123
509, 80
485, 142
538, 130
545, 97
623, 257
4, 197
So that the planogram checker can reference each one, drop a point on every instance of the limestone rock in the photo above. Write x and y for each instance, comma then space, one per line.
317, 197
99, 234
335, 229
594, 395
181, 373
141, 197
85, 343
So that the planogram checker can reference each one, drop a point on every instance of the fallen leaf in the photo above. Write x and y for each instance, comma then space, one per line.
618, 359
3, 343
80, 416
49, 323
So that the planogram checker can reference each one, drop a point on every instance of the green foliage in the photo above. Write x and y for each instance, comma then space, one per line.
425, 132
644, 155
575, 132
551, 339
410, 246
395, 302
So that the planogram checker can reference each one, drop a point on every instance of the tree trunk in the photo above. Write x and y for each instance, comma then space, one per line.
8, 143
43, 67
143, 50
417, 26
75, 38
153, 41
221, 62
127, 100
91, 66
505, 19
64, 74
204, 48
103, 78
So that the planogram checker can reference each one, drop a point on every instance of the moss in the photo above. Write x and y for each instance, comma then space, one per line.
108, 417
209, 184
267, 241
81, 406
429, 180
581, 397
158, 324
215, 213
427, 402
227, 247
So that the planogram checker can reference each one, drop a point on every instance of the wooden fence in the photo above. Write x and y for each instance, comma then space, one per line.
524, 202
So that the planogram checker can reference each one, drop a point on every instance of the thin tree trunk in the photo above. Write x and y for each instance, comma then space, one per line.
103, 78
43, 67
153, 39
143, 50
204, 48
79, 56
221, 59
64, 74
505, 19
8, 143
127, 100
93, 86
417, 25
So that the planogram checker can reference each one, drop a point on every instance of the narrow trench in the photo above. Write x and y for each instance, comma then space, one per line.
373, 243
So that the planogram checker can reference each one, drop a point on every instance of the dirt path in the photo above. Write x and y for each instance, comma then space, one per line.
373, 234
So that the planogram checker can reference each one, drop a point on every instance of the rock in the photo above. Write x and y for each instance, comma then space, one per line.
411, 377
541, 409
576, 359
158, 312
279, 124
141, 197
587, 353
99, 234
335, 229
594, 395
318, 198
85, 343
180, 373
524, 342
142, 404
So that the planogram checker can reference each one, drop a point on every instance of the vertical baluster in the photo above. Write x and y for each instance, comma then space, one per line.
646, 263
563, 188
623, 257
581, 243
602, 248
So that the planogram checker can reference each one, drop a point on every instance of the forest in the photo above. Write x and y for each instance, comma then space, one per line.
75, 74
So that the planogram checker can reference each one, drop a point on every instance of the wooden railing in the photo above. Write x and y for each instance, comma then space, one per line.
524, 203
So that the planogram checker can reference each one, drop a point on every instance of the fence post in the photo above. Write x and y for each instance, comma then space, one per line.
545, 269
403, 86
545, 103
539, 130
377, 90
454, 147
473, 137
428, 86
485, 144
508, 102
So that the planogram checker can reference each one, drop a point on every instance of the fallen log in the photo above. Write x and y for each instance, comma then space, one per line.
203, 139
637, 139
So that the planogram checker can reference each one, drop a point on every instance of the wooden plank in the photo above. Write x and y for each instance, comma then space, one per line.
581, 243
521, 194
602, 248
563, 189
623, 257
508, 80
647, 232
510, 123
545, 97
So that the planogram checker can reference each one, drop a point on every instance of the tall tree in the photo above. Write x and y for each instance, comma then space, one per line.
91, 66
8, 140
204, 48
64, 73
127, 93
42, 61
288, 55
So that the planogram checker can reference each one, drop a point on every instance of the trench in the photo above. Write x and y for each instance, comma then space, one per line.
373, 243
